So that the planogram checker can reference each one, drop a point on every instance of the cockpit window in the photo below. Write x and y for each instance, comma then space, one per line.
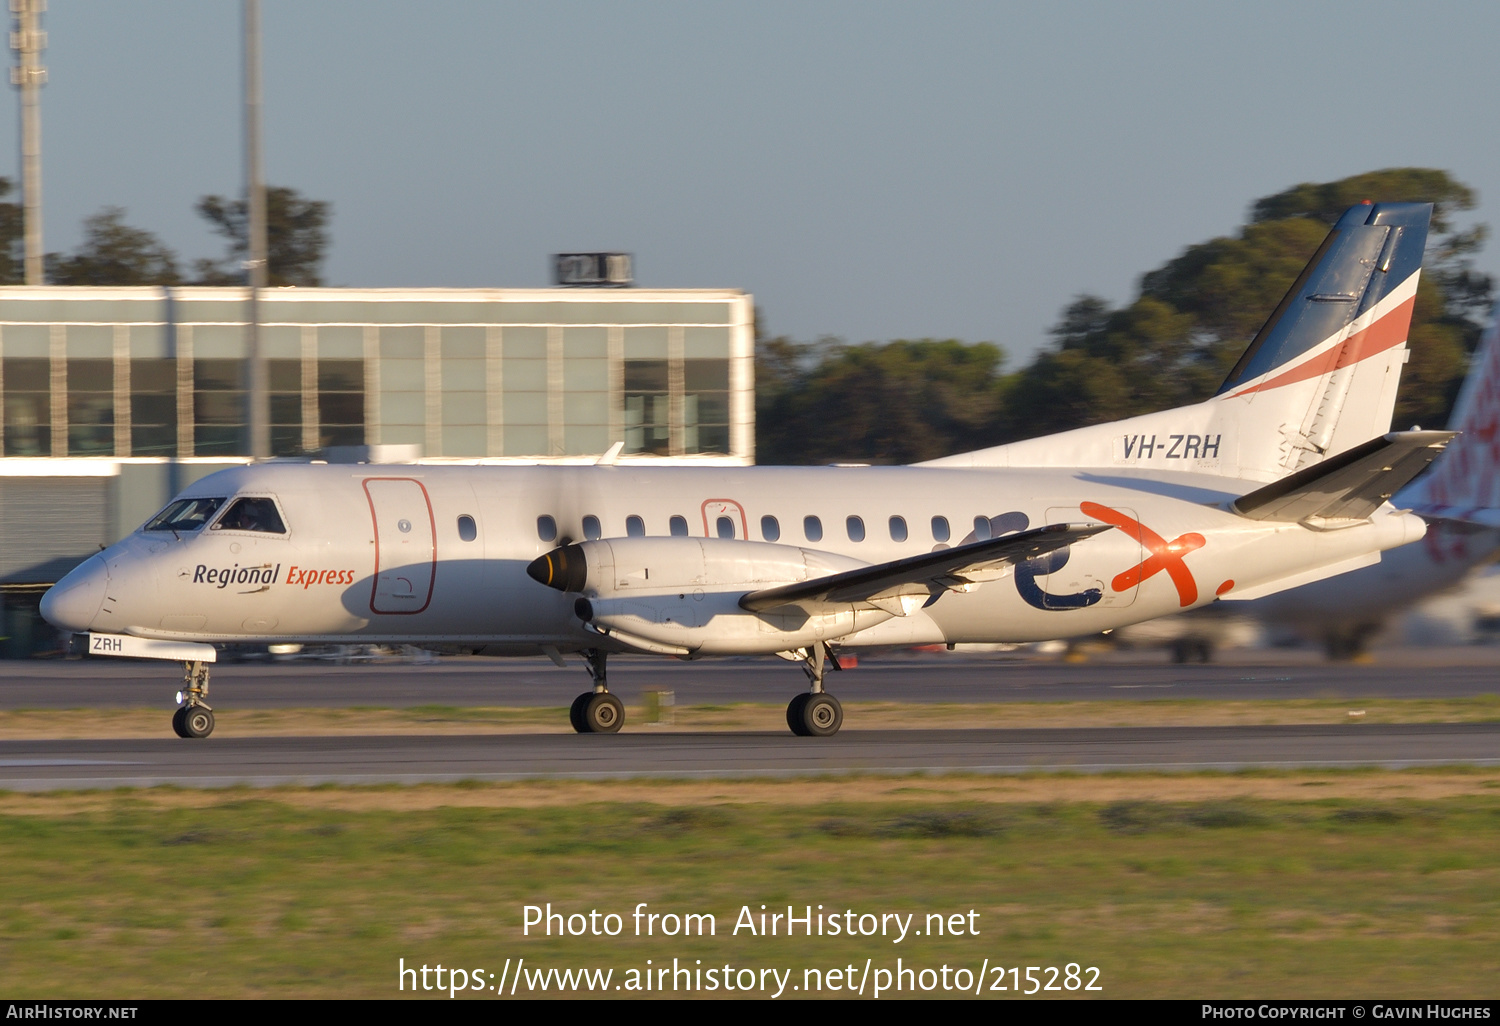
251, 515
184, 515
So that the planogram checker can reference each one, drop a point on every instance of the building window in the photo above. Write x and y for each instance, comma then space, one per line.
770, 530
341, 402
153, 407
647, 405
678, 526
705, 406
284, 378
218, 408
91, 407
28, 410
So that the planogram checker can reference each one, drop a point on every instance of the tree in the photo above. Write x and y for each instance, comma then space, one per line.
1104, 365
1172, 345
898, 402
114, 253
295, 238
1195, 314
12, 238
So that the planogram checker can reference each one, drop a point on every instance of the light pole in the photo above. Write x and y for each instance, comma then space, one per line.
28, 41
255, 202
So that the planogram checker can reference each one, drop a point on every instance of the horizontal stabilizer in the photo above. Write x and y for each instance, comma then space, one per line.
1349, 486
1472, 516
885, 585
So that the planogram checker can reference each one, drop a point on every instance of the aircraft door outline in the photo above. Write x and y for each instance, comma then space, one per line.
715, 508
405, 544
1073, 587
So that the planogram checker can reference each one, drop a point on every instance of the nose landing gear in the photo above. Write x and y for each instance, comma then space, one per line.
815, 713
193, 717
597, 711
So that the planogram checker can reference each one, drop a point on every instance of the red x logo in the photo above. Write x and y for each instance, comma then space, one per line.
1165, 555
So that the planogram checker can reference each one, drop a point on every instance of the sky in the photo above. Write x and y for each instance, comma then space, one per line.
867, 170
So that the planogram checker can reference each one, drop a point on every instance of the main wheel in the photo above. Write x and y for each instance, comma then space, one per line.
794, 714
603, 713
197, 721
822, 716
178, 727
575, 714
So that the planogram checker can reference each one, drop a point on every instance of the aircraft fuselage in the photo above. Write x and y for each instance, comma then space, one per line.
437, 555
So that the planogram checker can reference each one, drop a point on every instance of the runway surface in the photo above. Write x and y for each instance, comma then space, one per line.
1401, 673
50, 765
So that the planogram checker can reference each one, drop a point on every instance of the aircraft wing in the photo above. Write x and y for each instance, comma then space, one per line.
904, 584
1349, 486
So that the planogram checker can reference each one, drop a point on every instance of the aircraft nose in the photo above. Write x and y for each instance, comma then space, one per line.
72, 603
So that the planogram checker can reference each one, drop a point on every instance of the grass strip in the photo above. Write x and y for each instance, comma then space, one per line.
439, 719
1170, 891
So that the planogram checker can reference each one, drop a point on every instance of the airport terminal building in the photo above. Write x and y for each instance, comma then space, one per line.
111, 399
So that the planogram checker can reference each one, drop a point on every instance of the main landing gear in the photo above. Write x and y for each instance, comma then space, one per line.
193, 717
816, 713
597, 711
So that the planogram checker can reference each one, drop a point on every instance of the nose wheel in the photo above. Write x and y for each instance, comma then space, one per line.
193, 718
193, 721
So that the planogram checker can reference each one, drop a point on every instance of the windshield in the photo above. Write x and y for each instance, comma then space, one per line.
251, 515
184, 515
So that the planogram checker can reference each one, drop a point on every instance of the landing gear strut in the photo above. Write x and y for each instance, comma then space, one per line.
597, 711
193, 717
815, 713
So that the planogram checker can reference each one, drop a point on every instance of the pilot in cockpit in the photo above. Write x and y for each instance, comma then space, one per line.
251, 515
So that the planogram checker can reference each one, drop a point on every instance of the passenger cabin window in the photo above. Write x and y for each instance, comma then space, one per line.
184, 515
635, 527
856, 528
770, 530
940, 531
898, 529
258, 515
546, 528
591, 531
981, 528
678, 527
812, 529
725, 527
467, 530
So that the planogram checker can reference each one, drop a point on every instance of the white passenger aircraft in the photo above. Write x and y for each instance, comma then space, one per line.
1281, 478
1459, 497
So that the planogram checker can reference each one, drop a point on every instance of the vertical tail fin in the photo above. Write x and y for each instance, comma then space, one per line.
1317, 380
1334, 347
1467, 475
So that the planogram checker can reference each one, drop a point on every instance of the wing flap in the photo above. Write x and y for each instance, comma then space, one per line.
904, 584
1349, 486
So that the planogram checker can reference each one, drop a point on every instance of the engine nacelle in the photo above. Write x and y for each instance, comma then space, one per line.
680, 596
